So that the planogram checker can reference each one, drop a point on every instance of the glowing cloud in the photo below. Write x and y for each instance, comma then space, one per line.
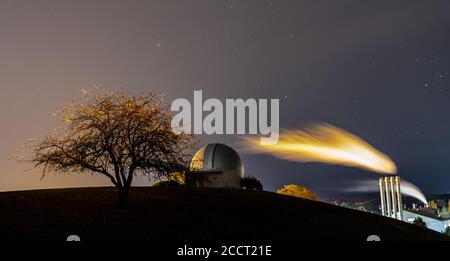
326, 144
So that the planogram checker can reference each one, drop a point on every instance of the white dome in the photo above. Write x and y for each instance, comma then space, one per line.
217, 165
216, 157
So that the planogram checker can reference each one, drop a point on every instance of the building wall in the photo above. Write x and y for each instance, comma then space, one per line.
434, 224
226, 179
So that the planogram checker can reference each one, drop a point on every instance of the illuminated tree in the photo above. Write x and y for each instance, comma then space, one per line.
443, 213
167, 184
297, 191
117, 136
175, 180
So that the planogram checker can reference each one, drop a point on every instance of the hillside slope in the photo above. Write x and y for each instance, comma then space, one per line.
169, 213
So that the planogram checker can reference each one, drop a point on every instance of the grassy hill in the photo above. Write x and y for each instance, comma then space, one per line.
181, 213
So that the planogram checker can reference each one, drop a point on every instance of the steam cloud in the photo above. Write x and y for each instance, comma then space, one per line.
331, 145
326, 144
407, 188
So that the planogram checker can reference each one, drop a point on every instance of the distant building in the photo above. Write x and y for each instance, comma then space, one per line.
436, 219
215, 166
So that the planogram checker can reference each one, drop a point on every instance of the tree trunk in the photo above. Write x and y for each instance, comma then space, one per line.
125, 189
123, 196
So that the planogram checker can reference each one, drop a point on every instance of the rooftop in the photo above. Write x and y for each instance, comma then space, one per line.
427, 212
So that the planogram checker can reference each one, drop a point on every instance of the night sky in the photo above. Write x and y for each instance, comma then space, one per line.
379, 69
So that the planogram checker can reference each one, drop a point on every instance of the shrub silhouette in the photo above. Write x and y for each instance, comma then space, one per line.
251, 183
419, 221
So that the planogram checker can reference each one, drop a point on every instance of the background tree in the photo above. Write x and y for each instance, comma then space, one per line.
251, 183
175, 180
419, 221
117, 136
297, 191
167, 184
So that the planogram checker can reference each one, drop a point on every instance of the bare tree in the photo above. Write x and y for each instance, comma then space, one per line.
117, 136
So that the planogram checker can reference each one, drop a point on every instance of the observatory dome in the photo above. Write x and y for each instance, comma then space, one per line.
219, 166
216, 156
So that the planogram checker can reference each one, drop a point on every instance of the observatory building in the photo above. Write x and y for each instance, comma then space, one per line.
215, 166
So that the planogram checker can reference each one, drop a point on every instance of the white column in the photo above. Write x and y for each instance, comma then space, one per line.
393, 198
399, 198
388, 196
383, 208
